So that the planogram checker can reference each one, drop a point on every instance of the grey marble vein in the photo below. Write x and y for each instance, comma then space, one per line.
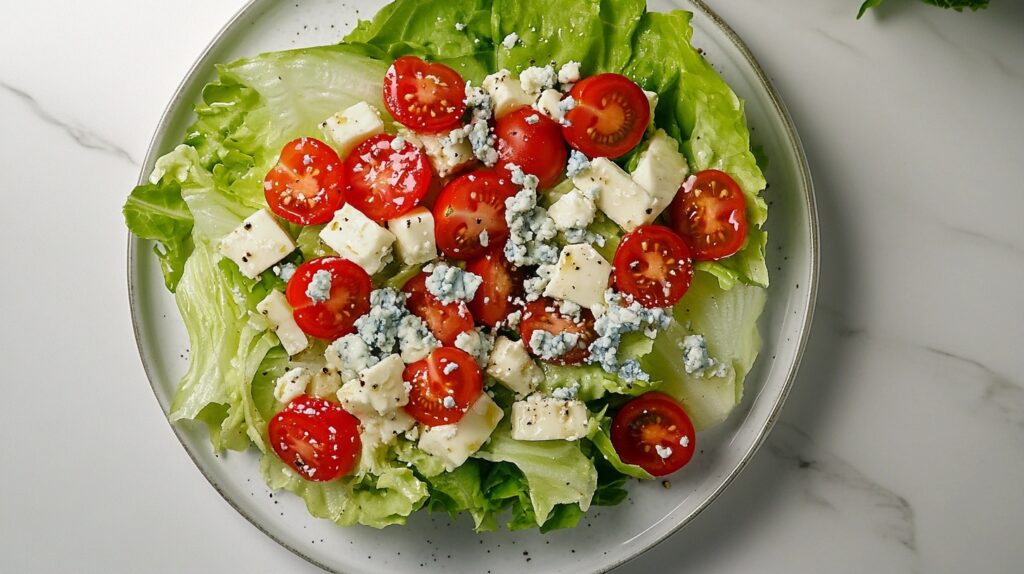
1000, 391
81, 135
1014, 249
837, 41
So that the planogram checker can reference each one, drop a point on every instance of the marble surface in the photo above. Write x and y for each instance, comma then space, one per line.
900, 449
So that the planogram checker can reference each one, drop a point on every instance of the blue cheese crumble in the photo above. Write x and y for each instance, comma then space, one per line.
618, 316
349, 355
415, 340
696, 360
566, 393
284, 271
379, 326
480, 103
569, 73
549, 347
577, 164
482, 140
319, 288
531, 230
450, 284
536, 79
477, 343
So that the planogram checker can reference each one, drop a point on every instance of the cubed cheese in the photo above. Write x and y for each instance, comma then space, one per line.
351, 127
661, 170
292, 385
544, 418
618, 196
257, 244
378, 390
358, 239
513, 367
581, 276
507, 93
572, 210
383, 429
279, 314
550, 104
325, 384
414, 236
447, 154
453, 444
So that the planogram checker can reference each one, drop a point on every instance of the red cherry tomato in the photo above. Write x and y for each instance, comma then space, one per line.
610, 118
441, 394
383, 182
445, 320
538, 148
502, 283
305, 186
469, 206
426, 98
653, 265
711, 216
653, 432
543, 315
347, 299
318, 439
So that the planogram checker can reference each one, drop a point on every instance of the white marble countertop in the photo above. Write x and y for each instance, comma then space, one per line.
900, 449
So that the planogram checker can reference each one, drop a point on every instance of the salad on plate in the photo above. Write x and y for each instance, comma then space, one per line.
492, 257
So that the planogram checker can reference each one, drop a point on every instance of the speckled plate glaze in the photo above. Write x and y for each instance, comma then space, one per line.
607, 537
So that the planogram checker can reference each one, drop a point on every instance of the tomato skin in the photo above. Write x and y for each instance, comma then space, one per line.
710, 213
610, 118
537, 148
305, 187
426, 98
503, 283
652, 264
431, 385
348, 300
648, 421
468, 206
316, 438
537, 317
445, 320
384, 183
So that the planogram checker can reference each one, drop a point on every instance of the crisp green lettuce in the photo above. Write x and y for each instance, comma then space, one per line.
957, 5
158, 212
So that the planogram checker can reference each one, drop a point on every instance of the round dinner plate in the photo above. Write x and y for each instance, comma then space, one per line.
606, 537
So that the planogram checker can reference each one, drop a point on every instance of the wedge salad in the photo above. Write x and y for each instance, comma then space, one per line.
492, 257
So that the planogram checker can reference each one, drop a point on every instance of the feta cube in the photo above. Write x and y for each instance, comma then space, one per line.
325, 384
513, 367
581, 276
507, 93
572, 210
619, 197
455, 443
661, 171
257, 244
353, 126
292, 385
414, 236
446, 153
378, 390
550, 104
547, 418
358, 239
279, 314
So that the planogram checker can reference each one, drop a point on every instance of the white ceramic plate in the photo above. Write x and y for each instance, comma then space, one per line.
607, 537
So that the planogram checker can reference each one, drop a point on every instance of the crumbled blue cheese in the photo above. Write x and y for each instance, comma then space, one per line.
576, 164
460, 26
531, 230
536, 79
534, 286
379, 326
533, 120
449, 401
414, 339
684, 441
319, 288
349, 355
618, 316
450, 284
510, 41
566, 393
663, 451
696, 359
569, 73
284, 271
450, 368
482, 140
567, 105
477, 343
549, 346
479, 102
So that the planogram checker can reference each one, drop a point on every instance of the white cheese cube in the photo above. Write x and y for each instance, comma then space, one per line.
652, 99
358, 239
581, 276
572, 210
453, 444
544, 418
377, 430
257, 244
618, 196
414, 236
353, 126
446, 154
325, 384
507, 93
279, 314
378, 390
292, 385
661, 170
512, 365
550, 104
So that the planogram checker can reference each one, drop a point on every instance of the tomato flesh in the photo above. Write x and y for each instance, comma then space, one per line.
469, 214
652, 264
316, 438
538, 147
502, 283
384, 182
710, 212
610, 118
347, 298
543, 315
444, 386
426, 98
653, 432
445, 320
305, 187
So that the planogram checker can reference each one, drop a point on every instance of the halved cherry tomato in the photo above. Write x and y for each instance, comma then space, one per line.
538, 148
502, 283
427, 98
445, 320
347, 300
652, 264
653, 432
610, 117
305, 186
384, 182
711, 215
318, 439
543, 315
441, 393
469, 206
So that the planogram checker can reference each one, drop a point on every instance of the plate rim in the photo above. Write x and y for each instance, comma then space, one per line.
806, 182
